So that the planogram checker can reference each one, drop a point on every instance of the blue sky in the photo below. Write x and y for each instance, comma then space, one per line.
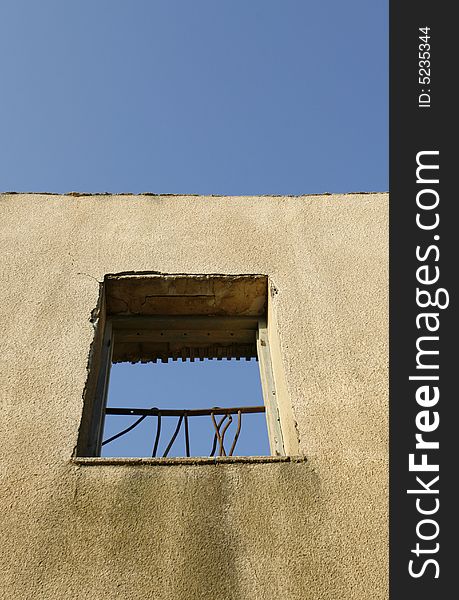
203, 96
188, 385
228, 97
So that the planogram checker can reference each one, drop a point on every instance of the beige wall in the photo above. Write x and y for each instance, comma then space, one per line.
309, 530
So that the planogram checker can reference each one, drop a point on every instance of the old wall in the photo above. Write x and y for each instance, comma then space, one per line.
311, 530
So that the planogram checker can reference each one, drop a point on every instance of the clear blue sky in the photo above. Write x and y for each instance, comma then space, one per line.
185, 385
193, 96
203, 96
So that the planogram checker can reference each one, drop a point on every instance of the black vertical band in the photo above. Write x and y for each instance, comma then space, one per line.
424, 258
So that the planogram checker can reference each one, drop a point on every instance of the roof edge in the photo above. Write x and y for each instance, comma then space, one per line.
90, 194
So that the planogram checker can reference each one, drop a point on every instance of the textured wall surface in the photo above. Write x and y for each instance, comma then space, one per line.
306, 530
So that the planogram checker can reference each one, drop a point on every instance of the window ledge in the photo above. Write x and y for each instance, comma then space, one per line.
194, 460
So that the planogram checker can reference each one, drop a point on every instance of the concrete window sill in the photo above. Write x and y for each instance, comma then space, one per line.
193, 460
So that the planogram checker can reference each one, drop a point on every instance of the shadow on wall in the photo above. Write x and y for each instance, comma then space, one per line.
226, 531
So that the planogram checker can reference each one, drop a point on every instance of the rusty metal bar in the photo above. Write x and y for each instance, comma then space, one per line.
221, 435
238, 431
214, 444
130, 428
177, 429
217, 429
187, 438
222, 447
158, 433
220, 428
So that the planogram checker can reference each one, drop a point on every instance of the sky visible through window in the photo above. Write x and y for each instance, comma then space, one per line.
199, 384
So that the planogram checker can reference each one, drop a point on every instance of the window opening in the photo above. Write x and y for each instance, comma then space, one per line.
206, 335
190, 396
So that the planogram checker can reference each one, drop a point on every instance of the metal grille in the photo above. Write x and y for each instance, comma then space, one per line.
220, 425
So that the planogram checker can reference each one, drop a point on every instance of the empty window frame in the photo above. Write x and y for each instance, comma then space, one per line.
150, 318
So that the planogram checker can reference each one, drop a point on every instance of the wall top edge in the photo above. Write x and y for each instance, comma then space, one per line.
152, 194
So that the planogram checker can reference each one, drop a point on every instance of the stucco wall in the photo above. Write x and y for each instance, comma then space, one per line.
311, 530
